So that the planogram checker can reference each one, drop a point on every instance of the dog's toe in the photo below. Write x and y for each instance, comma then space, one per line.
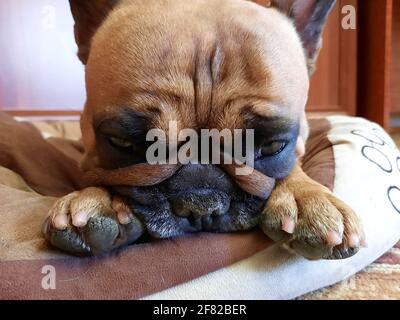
280, 215
104, 233
101, 233
105, 226
313, 222
68, 239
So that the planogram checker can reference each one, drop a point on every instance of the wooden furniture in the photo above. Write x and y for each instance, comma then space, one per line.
333, 86
375, 45
395, 77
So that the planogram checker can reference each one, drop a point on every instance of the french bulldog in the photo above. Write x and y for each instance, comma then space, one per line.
216, 64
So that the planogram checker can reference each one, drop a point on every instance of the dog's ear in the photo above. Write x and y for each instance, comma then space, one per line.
88, 16
309, 18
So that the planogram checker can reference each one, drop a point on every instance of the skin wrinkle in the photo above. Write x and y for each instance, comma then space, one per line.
140, 175
213, 75
204, 80
195, 80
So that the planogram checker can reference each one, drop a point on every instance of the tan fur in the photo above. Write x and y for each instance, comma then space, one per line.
245, 38
90, 201
315, 211
132, 64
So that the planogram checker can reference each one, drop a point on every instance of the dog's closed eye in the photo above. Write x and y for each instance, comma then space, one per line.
120, 143
272, 148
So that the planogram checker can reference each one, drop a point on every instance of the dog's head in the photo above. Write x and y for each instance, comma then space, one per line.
204, 64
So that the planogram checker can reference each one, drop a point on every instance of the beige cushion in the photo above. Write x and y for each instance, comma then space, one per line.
241, 265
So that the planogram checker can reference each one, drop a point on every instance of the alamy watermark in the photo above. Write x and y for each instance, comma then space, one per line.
48, 17
209, 146
49, 280
349, 19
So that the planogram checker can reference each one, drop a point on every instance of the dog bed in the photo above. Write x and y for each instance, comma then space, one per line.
353, 157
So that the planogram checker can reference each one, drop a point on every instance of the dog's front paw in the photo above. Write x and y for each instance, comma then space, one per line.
91, 222
312, 221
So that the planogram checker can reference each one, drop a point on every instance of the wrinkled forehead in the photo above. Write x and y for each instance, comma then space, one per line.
241, 55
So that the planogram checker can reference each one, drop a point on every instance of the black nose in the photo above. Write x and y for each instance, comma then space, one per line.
199, 176
199, 190
200, 202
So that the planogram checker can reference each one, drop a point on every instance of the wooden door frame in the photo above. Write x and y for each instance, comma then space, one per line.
348, 66
374, 60
346, 87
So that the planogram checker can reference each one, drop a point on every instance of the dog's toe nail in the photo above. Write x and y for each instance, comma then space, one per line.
80, 219
46, 227
124, 217
354, 241
60, 221
333, 239
288, 225
363, 243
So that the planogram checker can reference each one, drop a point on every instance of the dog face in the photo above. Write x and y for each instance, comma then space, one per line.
228, 64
